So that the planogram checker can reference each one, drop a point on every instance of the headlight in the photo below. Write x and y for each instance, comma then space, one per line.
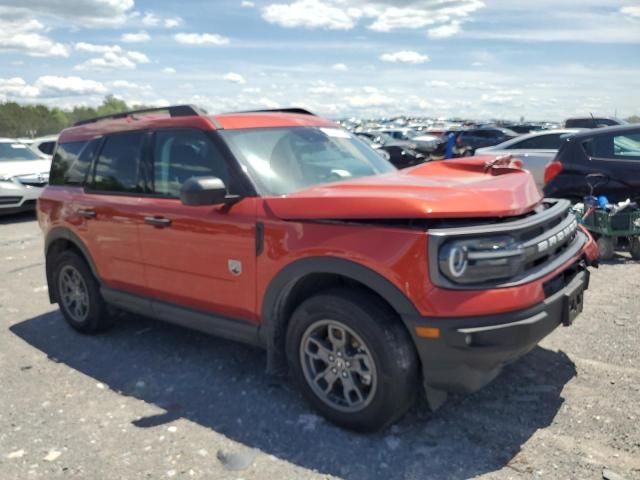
481, 259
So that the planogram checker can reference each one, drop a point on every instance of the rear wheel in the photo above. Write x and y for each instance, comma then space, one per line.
634, 247
352, 359
78, 294
606, 245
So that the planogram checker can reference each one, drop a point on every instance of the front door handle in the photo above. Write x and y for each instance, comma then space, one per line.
161, 222
87, 213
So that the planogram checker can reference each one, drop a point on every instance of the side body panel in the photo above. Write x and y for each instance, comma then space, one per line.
205, 259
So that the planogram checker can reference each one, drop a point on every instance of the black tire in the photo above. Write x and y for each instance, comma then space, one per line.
634, 247
606, 245
395, 369
468, 153
95, 316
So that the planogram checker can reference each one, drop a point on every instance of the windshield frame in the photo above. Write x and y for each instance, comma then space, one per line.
258, 180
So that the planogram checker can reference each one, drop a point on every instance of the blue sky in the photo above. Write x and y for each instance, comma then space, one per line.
469, 58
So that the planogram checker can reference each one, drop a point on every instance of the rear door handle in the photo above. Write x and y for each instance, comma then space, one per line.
87, 213
161, 222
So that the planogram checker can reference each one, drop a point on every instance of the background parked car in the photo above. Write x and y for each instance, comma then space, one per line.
401, 154
612, 151
471, 139
536, 150
23, 174
593, 122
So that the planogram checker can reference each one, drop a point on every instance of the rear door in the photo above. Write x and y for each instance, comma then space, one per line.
617, 155
200, 257
110, 208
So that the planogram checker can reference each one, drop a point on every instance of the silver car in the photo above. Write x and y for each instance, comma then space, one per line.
536, 149
23, 174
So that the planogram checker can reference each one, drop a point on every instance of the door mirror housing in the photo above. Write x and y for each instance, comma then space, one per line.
203, 191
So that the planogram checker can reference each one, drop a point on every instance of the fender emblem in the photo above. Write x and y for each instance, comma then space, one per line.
235, 267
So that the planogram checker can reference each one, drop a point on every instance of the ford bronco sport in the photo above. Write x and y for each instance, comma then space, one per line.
281, 230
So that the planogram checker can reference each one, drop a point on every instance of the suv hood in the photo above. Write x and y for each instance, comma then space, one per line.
24, 167
463, 188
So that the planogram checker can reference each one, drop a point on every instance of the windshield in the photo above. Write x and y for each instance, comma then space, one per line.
16, 152
287, 160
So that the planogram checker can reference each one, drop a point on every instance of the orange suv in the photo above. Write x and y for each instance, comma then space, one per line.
282, 230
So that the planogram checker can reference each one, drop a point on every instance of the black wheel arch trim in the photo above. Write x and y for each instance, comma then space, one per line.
62, 233
273, 326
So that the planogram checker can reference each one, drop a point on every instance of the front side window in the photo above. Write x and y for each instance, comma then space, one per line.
117, 167
179, 155
16, 152
287, 160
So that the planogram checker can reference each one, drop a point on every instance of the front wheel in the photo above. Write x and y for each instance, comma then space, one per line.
352, 359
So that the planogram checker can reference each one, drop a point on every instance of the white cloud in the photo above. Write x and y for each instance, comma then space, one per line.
85, 13
404, 56
26, 36
438, 84
339, 67
200, 39
113, 57
138, 37
138, 57
17, 88
632, 11
381, 15
169, 70
310, 14
52, 85
247, 4
150, 19
445, 31
48, 86
172, 22
370, 100
93, 48
235, 78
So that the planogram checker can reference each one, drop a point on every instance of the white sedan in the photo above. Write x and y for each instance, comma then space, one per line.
536, 149
23, 174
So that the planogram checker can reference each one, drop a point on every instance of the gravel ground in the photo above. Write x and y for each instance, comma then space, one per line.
148, 400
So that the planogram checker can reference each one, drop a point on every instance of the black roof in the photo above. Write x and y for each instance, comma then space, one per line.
616, 129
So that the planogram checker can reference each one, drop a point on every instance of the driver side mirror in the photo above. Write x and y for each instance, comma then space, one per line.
203, 191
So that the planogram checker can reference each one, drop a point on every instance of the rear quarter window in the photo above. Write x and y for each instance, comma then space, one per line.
64, 157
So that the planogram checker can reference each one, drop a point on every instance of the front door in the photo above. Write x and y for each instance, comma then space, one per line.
200, 257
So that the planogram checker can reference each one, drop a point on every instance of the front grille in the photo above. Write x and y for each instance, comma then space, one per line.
546, 240
10, 200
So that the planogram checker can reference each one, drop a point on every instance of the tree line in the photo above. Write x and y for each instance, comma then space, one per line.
38, 120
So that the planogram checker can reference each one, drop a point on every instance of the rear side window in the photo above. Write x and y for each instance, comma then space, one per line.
547, 142
627, 147
117, 167
47, 147
65, 156
77, 173
619, 147
182, 154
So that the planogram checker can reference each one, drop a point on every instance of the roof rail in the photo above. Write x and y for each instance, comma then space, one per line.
300, 111
174, 111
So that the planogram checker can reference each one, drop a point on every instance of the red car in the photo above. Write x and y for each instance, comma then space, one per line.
280, 229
